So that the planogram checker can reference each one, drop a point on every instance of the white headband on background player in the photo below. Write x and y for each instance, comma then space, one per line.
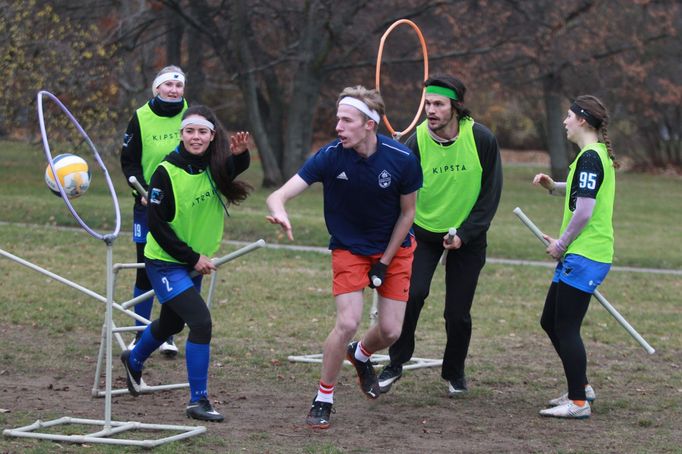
173, 75
362, 107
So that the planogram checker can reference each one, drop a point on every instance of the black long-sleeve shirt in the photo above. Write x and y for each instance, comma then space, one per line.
160, 214
481, 215
131, 151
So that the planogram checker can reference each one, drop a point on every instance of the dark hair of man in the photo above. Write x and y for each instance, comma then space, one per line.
219, 162
453, 83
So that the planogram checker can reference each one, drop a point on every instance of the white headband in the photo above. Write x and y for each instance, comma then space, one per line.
196, 121
168, 76
362, 107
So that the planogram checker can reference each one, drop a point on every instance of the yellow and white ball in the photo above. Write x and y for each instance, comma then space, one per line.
73, 174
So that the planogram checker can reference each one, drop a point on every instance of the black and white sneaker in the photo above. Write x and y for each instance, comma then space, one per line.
133, 378
203, 411
319, 415
369, 384
168, 348
388, 376
457, 387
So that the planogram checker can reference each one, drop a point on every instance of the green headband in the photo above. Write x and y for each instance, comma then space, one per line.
443, 91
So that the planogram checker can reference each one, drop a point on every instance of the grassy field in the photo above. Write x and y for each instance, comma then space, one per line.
274, 302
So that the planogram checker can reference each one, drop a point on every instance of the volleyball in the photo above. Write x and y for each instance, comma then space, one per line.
73, 174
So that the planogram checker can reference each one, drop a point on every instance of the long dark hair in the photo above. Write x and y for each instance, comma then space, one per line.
453, 83
219, 159
596, 108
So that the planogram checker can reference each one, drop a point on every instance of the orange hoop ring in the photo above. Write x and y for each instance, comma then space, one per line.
393, 132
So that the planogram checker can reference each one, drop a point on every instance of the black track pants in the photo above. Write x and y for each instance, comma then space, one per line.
562, 316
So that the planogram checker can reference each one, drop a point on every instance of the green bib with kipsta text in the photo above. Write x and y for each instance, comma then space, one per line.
452, 179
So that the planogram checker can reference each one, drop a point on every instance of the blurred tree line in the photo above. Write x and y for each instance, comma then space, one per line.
274, 67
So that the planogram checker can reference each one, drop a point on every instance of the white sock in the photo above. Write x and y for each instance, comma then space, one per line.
325, 393
361, 353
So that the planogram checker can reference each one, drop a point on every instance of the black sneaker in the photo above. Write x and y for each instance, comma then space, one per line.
388, 376
203, 411
319, 415
457, 387
366, 376
133, 379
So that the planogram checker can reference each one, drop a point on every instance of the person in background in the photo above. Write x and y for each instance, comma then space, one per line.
584, 249
153, 131
460, 160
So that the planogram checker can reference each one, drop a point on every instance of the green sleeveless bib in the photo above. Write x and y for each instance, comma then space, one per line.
159, 136
596, 240
452, 179
198, 220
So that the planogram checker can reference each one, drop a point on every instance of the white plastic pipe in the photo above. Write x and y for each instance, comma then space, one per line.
611, 310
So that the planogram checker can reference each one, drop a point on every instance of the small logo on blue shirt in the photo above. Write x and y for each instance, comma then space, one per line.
384, 179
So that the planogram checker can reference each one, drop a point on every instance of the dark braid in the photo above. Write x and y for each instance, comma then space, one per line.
605, 136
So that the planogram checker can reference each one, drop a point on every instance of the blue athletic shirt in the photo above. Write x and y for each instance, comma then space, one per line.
362, 196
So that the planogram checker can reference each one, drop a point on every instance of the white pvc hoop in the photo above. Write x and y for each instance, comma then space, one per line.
48, 156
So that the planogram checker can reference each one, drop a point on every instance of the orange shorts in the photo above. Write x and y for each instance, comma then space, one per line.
351, 272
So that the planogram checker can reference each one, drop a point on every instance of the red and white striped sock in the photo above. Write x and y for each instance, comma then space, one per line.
325, 393
361, 353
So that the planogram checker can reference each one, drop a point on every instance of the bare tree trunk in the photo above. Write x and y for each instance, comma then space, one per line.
556, 139
272, 176
306, 89
196, 78
175, 28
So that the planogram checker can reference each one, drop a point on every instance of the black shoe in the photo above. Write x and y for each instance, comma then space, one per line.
366, 376
388, 376
133, 379
319, 415
457, 387
203, 410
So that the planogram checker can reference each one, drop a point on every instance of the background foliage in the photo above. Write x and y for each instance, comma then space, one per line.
275, 67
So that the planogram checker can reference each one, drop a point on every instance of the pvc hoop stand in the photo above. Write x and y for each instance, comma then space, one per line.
377, 83
413, 363
109, 428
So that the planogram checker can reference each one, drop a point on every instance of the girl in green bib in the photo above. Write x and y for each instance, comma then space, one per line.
185, 214
584, 249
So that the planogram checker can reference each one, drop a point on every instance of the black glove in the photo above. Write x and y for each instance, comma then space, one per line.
378, 270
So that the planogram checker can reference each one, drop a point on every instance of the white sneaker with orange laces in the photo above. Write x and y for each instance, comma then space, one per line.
568, 410
590, 396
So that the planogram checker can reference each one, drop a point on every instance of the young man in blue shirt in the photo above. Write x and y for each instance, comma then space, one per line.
370, 183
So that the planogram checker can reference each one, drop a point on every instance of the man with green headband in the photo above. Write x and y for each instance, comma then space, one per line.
462, 171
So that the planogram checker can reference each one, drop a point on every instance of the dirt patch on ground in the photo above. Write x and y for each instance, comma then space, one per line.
265, 405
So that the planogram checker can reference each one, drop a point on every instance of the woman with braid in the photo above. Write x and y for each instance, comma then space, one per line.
186, 214
584, 249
